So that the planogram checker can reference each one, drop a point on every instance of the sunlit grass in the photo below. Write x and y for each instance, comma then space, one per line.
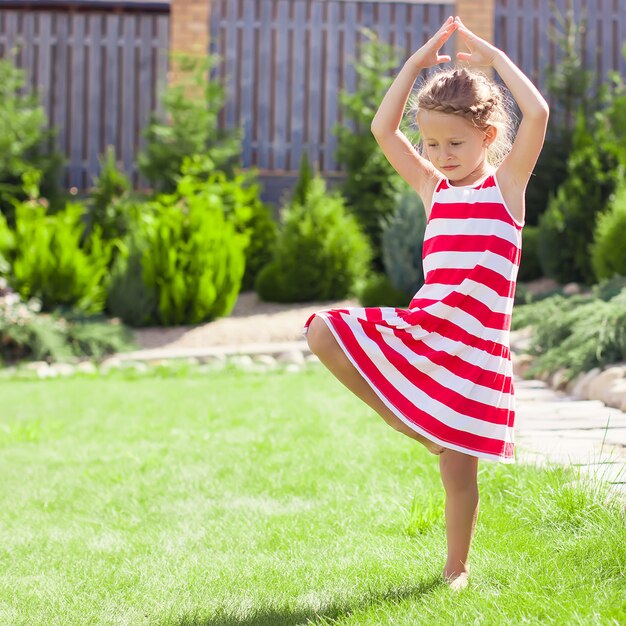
273, 499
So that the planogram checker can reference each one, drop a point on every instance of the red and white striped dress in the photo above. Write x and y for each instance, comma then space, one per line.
443, 365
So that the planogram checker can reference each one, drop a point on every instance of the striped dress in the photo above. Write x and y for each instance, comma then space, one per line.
443, 365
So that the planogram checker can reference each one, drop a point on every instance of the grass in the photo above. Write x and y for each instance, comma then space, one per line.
233, 498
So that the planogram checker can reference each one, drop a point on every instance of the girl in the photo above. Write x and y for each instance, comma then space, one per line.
440, 371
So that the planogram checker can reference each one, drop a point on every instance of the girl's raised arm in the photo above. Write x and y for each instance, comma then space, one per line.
518, 165
414, 168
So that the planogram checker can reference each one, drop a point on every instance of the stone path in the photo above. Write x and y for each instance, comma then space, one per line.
550, 426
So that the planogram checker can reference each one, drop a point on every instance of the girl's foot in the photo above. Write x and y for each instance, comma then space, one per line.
431, 446
456, 580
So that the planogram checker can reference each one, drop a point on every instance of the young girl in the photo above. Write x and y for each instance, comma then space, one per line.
441, 371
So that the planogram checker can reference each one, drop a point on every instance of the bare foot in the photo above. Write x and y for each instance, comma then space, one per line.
457, 580
431, 446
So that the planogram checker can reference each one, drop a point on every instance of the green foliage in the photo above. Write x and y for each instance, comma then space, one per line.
577, 332
372, 186
529, 264
110, 208
569, 85
240, 198
320, 254
26, 145
303, 184
46, 259
190, 128
129, 298
377, 290
608, 252
402, 243
27, 333
593, 170
192, 258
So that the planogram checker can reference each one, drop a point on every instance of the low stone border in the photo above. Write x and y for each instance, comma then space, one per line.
606, 384
290, 360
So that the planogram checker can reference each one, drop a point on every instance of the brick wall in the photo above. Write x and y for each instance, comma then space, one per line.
189, 30
479, 17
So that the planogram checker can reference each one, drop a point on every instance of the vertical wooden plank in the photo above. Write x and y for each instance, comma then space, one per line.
145, 78
281, 87
162, 51
247, 80
265, 84
45, 55
75, 95
11, 32
231, 66
111, 106
527, 37
315, 80
622, 37
94, 88
126, 122
298, 86
28, 40
382, 25
350, 25
59, 81
332, 82
215, 20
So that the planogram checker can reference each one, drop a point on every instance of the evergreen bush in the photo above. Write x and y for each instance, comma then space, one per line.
372, 186
608, 251
378, 291
402, 243
26, 144
46, 260
563, 242
188, 127
529, 269
321, 251
191, 256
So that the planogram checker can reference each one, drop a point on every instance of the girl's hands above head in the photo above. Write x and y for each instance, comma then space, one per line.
428, 54
481, 51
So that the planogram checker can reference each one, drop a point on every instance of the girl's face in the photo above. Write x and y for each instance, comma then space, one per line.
454, 146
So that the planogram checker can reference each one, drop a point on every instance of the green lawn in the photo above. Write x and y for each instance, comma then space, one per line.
233, 498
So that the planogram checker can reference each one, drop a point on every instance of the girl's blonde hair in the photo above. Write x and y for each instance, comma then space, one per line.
472, 95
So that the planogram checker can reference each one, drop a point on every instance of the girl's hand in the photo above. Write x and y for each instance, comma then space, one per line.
481, 52
428, 54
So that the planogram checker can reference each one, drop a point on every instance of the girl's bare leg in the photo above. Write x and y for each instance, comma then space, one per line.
323, 344
459, 475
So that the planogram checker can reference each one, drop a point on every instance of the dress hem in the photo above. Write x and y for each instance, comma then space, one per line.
418, 429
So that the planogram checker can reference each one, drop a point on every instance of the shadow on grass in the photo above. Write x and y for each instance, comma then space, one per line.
272, 616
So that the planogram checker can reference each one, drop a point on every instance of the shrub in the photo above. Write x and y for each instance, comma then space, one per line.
26, 145
109, 205
192, 259
191, 109
371, 186
320, 254
402, 242
242, 205
577, 332
608, 252
563, 242
378, 291
46, 259
27, 333
529, 264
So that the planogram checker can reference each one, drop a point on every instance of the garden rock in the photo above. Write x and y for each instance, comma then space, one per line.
291, 356
599, 386
582, 388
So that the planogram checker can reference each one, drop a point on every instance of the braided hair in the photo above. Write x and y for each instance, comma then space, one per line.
472, 95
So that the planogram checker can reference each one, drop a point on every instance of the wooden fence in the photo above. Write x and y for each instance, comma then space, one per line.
285, 61
283, 64
97, 74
